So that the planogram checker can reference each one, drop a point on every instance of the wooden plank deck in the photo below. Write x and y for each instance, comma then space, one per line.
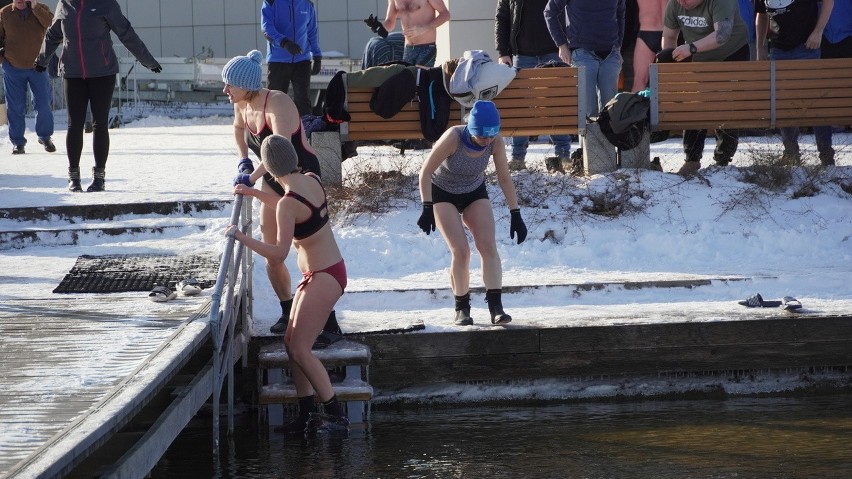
73, 370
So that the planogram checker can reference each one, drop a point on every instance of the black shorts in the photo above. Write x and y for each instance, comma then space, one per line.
460, 201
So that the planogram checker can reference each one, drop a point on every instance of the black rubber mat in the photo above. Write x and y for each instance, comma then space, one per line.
121, 273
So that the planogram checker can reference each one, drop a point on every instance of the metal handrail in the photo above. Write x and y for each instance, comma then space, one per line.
236, 266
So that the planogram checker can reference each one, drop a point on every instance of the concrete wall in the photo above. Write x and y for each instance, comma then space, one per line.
226, 28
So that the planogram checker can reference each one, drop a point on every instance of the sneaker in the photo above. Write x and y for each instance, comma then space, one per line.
162, 294
189, 287
48, 144
280, 327
18, 150
553, 164
655, 164
517, 164
574, 163
463, 317
789, 303
689, 168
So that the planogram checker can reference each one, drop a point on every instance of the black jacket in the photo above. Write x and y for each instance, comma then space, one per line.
514, 34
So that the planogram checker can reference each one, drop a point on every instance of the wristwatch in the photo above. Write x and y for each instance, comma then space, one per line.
693, 49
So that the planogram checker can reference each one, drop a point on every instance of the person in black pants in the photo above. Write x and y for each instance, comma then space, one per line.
89, 70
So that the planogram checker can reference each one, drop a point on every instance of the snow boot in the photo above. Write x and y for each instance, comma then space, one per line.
74, 180
495, 307
98, 183
280, 327
463, 310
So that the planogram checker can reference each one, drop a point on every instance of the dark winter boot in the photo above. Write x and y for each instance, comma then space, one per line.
298, 426
281, 326
98, 175
74, 180
495, 307
463, 310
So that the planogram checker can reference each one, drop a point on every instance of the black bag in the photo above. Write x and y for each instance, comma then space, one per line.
624, 120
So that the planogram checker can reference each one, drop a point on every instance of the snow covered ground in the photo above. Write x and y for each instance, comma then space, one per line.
742, 238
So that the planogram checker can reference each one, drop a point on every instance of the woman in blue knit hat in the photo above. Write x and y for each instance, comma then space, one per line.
454, 195
258, 113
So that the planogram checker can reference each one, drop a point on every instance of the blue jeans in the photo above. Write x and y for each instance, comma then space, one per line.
601, 77
520, 144
790, 135
15, 82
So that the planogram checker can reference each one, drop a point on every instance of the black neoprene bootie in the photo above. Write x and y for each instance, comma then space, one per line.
98, 182
495, 306
74, 180
463, 310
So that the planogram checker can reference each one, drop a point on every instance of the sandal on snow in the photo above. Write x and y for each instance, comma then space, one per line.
189, 287
161, 294
757, 301
790, 303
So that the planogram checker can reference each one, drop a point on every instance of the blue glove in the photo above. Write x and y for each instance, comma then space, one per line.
517, 226
426, 222
245, 166
243, 179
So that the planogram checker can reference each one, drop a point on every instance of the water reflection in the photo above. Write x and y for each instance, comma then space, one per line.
754, 438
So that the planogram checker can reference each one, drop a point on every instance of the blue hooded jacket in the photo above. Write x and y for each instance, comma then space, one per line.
295, 20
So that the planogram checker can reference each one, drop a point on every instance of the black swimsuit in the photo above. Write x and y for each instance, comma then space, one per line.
307, 160
314, 222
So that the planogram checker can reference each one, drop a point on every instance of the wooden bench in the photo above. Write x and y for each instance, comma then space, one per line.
538, 101
760, 95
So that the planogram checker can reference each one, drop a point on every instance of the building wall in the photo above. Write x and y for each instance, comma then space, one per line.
226, 28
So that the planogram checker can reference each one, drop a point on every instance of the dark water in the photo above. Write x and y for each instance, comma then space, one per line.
737, 438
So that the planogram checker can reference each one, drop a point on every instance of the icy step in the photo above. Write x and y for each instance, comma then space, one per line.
339, 354
348, 390
72, 234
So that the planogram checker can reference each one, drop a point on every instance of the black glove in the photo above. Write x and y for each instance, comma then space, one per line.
39, 68
427, 218
316, 65
376, 26
517, 226
245, 166
157, 69
291, 47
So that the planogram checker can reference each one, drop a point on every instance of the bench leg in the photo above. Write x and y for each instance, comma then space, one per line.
327, 146
639, 157
598, 153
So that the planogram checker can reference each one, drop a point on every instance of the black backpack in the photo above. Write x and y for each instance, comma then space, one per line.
624, 119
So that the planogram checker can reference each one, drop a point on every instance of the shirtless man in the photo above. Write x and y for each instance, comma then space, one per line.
648, 41
419, 19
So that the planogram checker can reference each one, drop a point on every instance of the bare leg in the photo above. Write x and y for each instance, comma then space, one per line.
642, 59
479, 219
450, 225
311, 307
278, 275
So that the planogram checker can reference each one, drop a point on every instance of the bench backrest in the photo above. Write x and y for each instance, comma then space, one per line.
538, 101
764, 94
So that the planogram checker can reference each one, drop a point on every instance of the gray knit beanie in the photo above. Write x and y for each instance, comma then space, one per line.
278, 156
244, 71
